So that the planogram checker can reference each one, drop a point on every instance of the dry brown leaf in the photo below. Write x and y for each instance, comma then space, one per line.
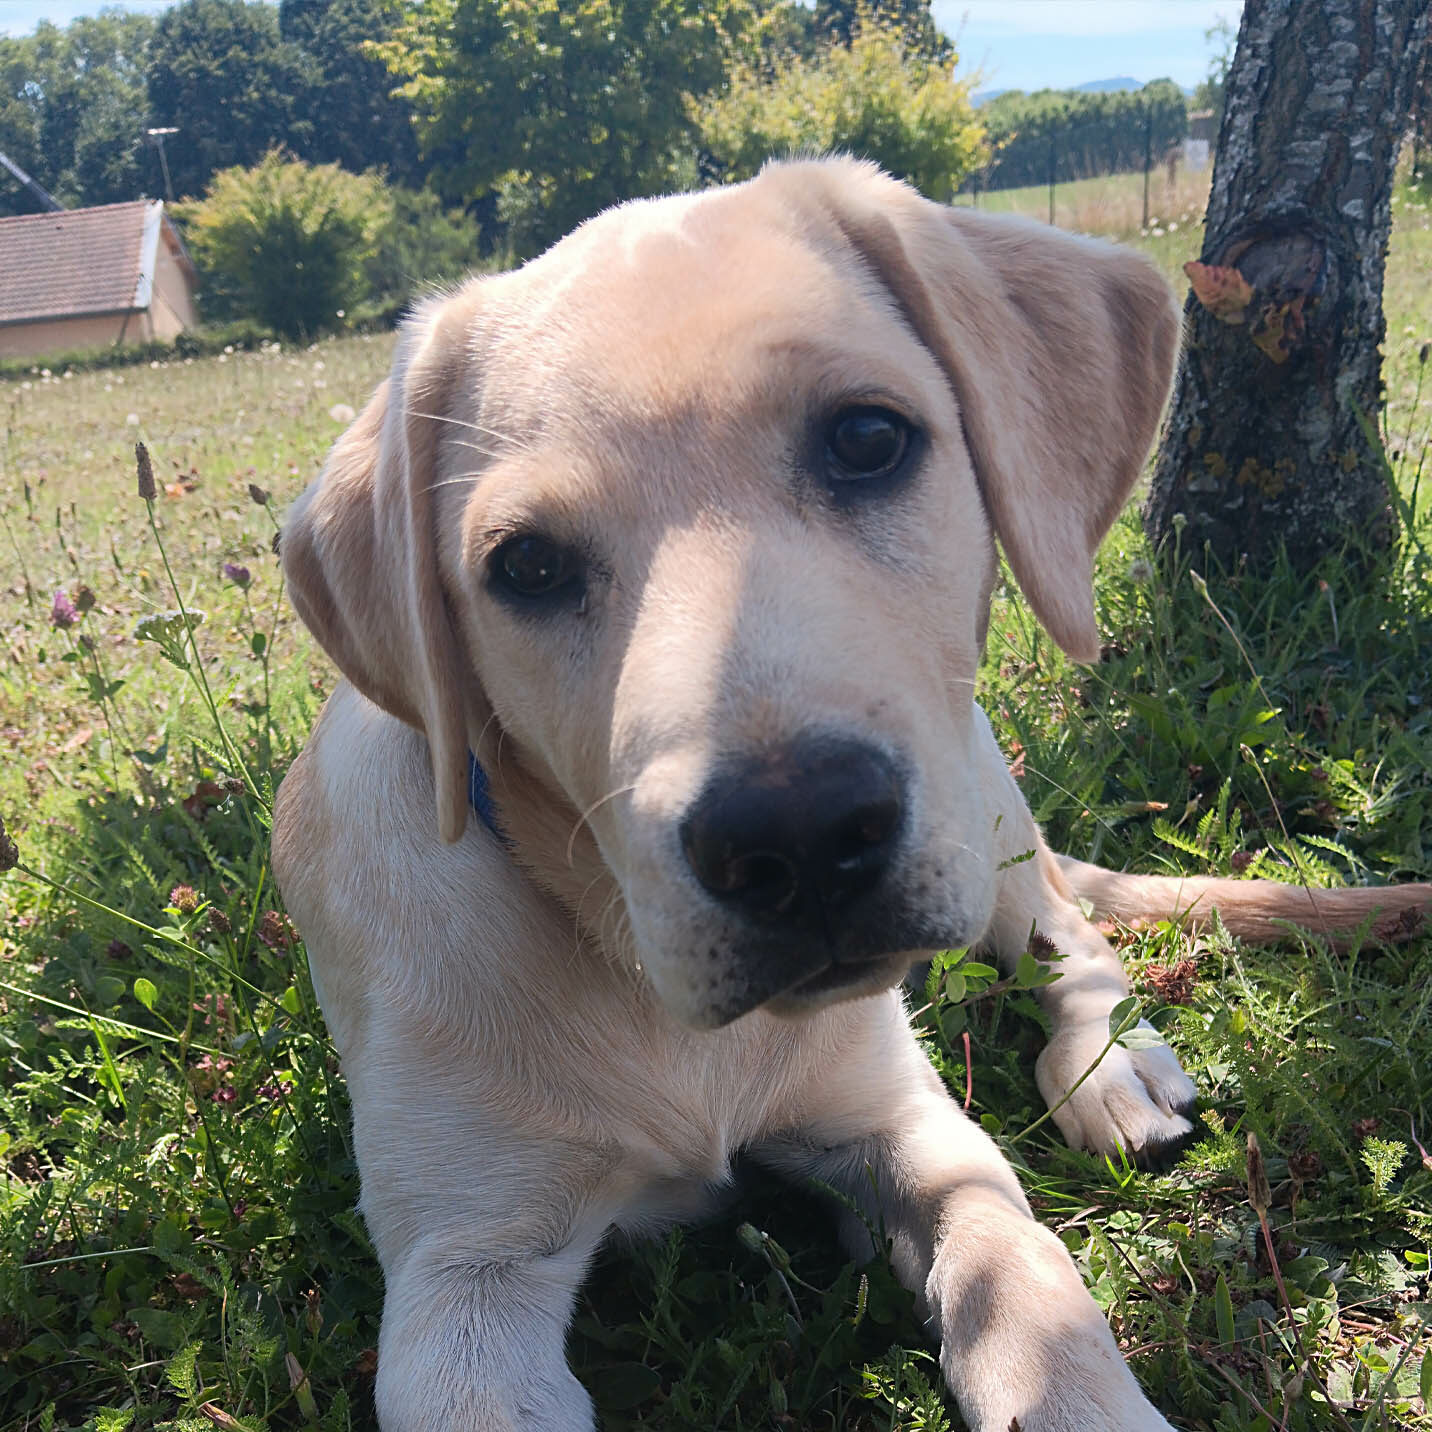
77, 740
1222, 290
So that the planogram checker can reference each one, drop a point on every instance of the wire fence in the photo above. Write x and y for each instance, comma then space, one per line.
1049, 154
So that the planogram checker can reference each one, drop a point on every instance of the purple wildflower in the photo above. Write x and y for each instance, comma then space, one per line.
239, 576
184, 898
63, 612
276, 931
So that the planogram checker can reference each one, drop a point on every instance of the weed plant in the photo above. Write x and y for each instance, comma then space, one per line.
179, 1245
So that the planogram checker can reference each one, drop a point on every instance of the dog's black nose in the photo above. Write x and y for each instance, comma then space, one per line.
795, 836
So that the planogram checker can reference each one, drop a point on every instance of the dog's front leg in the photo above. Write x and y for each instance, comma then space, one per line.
1135, 1099
474, 1340
1020, 1337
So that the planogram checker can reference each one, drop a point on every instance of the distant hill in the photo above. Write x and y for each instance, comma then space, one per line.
1119, 82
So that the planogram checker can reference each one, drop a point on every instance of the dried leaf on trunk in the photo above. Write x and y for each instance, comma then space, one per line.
1223, 291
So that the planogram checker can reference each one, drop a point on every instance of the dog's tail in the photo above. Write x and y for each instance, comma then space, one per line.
1258, 910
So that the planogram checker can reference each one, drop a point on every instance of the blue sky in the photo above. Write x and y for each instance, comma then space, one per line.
1016, 44
1036, 44
19, 17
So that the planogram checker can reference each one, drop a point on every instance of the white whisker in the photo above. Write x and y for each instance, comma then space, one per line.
579, 931
596, 805
623, 943
476, 447
506, 439
466, 478
610, 942
482, 735
444, 418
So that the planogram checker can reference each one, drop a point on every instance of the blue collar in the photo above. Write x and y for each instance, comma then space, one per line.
479, 797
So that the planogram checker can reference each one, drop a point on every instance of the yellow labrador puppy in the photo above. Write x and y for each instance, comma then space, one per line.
659, 572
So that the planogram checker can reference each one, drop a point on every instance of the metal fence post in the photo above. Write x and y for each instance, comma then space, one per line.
1148, 157
1053, 161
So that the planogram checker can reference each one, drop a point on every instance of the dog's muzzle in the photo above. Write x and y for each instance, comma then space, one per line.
797, 839
805, 851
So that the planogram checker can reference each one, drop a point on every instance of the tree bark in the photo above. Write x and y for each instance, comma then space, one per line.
1265, 443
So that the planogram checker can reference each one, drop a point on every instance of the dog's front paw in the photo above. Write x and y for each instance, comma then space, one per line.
1139, 1100
1021, 1341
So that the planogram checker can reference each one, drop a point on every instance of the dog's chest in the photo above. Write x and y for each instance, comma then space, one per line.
687, 1103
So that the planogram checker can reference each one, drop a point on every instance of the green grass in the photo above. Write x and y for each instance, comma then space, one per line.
1112, 205
176, 1217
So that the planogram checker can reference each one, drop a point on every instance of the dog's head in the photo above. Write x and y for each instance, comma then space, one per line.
693, 518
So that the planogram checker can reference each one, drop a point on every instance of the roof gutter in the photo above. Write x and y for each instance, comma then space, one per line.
148, 254
66, 317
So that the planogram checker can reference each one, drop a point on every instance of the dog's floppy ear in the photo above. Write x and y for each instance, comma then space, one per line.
360, 555
1061, 352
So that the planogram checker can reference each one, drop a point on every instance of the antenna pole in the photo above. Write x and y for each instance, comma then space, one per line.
47, 200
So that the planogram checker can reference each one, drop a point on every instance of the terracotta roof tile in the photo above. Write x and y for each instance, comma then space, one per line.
75, 261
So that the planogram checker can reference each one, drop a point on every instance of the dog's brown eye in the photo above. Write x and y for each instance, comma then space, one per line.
865, 442
534, 567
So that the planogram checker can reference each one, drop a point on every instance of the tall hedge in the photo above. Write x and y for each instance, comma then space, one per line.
287, 242
878, 97
1079, 134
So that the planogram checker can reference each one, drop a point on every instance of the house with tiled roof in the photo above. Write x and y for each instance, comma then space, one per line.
85, 278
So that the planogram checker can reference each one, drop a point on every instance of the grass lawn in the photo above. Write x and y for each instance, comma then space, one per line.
1112, 205
178, 1244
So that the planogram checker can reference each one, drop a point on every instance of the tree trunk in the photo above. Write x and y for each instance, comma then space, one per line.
1265, 443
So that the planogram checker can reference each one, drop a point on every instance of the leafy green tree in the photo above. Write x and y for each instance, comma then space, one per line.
1208, 94
562, 107
876, 97
420, 245
289, 242
777, 30
220, 72
345, 106
841, 20
21, 119
73, 110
